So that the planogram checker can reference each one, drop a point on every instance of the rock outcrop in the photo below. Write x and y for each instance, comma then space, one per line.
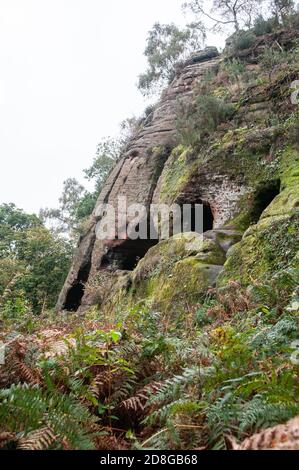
136, 175
245, 174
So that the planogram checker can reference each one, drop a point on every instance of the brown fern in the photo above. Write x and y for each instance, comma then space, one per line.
6, 438
108, 443
24, 372
100, 384
16, 368
41, 439
139, 402
282, 437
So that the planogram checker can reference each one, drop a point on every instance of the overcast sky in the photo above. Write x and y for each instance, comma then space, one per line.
68, 73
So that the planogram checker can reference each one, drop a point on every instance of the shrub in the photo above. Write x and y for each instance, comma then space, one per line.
262, 26
236, 69
202, 118
272, 58
243, 40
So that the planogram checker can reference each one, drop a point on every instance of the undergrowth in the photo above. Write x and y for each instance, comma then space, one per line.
224, 370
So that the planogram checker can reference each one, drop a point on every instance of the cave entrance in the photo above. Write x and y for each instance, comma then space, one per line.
193, 224
76, 292
74, 297
263, 197
127, 255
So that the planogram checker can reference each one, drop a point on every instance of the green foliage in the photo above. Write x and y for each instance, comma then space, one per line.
167, 46
34, 260
15, 309
76, 203
236, 69
273, 58
243, 40
185, 382
201, 118
201, 317
263, 26
166, 397
73, 201
13, 222
28, 407
108, 152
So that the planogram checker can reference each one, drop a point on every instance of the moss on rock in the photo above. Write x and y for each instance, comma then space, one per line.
176, 174
176, 272
273, 243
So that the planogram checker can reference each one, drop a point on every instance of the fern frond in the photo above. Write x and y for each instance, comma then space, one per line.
125, 391
6, 438
172, 388
257, 415
26, 374
41, 439
139, 402
25, 408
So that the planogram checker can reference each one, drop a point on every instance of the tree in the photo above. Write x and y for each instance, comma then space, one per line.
76, 203
13, 222
33, 261
282, 9
108, 152
129, 128
236, 13
65, 217
46, 258
167, 46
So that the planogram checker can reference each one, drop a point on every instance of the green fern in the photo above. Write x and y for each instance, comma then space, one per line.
172, 388
25, 409
164, 413
257, 414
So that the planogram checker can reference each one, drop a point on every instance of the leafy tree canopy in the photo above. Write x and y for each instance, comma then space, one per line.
33, 261
76, 203
239, 14
168, 45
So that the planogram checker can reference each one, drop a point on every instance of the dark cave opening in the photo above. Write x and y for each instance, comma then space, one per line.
194, 224
263, 197
76, 292
127, 255
208, 218
74, 297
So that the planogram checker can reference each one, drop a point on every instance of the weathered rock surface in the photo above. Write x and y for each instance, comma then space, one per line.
137, 173
245, 175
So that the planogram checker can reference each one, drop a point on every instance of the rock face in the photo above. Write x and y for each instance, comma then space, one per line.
136, 175
245, 175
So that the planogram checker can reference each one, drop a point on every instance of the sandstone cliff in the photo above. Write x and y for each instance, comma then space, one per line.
245, 174
185, 343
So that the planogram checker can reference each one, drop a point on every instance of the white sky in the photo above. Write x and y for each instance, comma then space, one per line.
68, 73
